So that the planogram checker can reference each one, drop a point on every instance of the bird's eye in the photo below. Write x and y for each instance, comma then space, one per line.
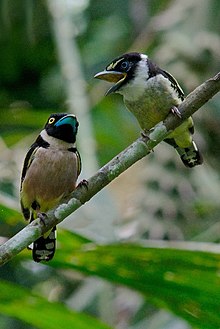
51, 120
125, 65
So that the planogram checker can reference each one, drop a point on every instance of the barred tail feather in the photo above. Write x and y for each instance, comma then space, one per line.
190, 156
44, 247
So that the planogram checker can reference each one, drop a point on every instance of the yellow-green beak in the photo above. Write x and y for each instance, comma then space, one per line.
112, 76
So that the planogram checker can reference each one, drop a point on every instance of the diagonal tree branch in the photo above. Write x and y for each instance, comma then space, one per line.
136, 151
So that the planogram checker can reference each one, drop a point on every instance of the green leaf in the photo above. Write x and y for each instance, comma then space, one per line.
20, 303
183, 281
11, 221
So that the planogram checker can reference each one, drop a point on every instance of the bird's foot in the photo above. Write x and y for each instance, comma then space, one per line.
144, 134
83, 183
43, 217
175, 111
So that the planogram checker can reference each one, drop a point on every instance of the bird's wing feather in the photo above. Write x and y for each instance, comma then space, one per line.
79, 162
28, 160
154, 70
174, 83
27, 163
30, 155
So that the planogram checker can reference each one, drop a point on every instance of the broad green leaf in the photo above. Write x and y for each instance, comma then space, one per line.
9, 215
22, 304
183, 281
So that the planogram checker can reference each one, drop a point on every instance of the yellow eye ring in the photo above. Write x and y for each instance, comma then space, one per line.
51, 120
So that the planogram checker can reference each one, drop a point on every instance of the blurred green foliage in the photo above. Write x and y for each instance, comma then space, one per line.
164, 199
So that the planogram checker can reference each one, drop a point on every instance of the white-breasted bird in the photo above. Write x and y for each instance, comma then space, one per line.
150, 93
50, 171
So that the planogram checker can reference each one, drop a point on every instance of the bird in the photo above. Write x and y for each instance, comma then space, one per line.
50, 171
151, 93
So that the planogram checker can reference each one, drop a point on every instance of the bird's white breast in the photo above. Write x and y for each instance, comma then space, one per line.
150, 100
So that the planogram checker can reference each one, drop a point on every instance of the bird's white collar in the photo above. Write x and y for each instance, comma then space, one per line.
55, 142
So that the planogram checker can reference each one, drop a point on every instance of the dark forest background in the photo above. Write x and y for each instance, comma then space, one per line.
49, 53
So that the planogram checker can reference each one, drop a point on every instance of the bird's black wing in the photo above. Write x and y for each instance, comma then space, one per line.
27, 162
174, 83
30, 155
79, 162
155, 70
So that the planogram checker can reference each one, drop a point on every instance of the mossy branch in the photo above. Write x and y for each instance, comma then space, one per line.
136, 151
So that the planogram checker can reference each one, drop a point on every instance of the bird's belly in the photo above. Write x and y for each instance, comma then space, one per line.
51, 176
151, 108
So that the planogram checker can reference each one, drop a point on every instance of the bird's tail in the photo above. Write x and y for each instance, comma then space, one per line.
190, 155
44, 247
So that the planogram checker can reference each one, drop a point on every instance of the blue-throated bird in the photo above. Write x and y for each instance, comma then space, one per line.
150, 93
50, 171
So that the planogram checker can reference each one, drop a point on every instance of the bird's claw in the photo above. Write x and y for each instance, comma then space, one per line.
144, 134
84, 183
43, 217
175, 111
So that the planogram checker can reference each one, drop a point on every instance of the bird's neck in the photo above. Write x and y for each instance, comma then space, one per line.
136, 87
56, 143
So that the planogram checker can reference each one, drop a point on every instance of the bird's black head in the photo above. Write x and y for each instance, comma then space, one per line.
62, 126
121, 70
